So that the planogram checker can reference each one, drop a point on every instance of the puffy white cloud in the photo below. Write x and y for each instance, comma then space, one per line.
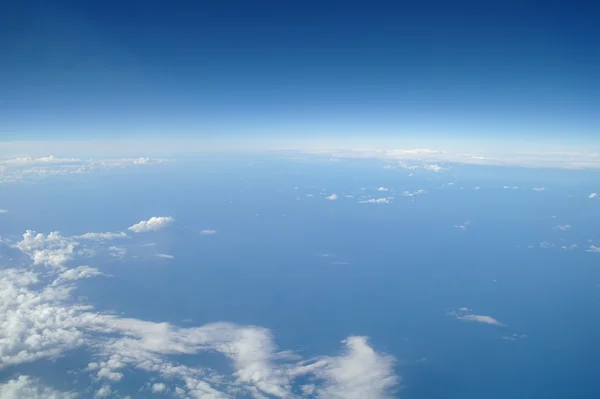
103, 392
375, 201
593, 195
26, 387
153, 224
52, 250
332, 197
208, 232
158, 387
359, 373
382, 189
102, 236
165, 256
563, 227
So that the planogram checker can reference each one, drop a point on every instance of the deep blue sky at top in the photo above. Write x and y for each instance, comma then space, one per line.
298, 69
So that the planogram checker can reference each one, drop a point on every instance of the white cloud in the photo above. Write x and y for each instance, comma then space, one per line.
375, 201
563, 227
103, 392
593, 249
153, 224
26, 387
430, 159
208, 232
117, 252
593, 195
332, 197
158, 387
476, 188
463, 226
510, 187
3, 211
76, 274
538, 189
409, 194
102, 236
52, 250
382, 189
359, 373
40, 320
479, 319
165, 256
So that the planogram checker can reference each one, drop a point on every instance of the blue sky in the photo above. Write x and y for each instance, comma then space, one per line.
289, 74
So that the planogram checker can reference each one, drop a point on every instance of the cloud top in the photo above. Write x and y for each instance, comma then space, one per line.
155, 223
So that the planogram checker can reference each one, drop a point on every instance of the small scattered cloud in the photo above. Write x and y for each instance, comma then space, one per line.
462, 226
465, 314
538, 189
158, 387
594, 249
593, 195
332, 197
570, 247
563, 227
102, 236
510, 187
165, 256
409, 194
480, 319
514, 337
155, 223
208, 232
375, 201
477, 188
382, 189
117, 252
3, 211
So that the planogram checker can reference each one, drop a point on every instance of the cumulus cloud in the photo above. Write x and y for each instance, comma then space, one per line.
375, 201
153, 224
165, 256
358, 373
208, 232
26, 387
117, 252
563, 227
158, 387
52, 250
332, 197
593, 195
39, 319
382, 189
102, 236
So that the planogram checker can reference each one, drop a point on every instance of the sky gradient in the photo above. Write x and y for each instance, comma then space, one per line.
288, 74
